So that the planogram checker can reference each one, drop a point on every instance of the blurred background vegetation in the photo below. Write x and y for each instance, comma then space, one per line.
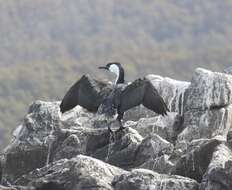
46, 45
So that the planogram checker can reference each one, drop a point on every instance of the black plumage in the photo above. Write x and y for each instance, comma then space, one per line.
97, 96
86, 92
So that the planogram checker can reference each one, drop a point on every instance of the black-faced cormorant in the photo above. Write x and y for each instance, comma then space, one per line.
97, 96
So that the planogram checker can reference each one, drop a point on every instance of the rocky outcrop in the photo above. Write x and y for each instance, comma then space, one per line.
152, 147
207, 105
190, 148
139, 179
196, 160
219, 171
80, 172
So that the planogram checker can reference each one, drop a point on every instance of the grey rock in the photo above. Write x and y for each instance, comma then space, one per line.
23, 160
16, 188
161, 164
208, 90
168, 127
78, 140
81, 172
70, 147
31, 140
41, 120
6, 188
120, 152
229, 137
206, 124
152, 147
219, 173
86, 137
142, 179
40, 130
196, 161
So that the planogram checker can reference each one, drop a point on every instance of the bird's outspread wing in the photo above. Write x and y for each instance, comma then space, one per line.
86, 92
141, 91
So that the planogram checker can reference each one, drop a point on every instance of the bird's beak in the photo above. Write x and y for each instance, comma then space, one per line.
103, 67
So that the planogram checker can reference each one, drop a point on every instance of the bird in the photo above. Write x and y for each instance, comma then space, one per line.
113, 99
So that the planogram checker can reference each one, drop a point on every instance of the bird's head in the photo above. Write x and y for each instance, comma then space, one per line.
115, 68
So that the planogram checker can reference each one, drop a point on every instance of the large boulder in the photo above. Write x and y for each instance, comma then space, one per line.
23, 160
196, 160
30, 142
81, 172
208, 90
141, 179
46, 136
206, 124
152, 147
18, 188
121, 152
167, 127
219, 173
161, 164
207, 106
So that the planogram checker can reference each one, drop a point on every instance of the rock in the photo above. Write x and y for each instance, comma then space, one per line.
219, 173
23, 160
208, 90
206, 124
31, 140
7, 188
152, 147
168, 127
81, 172
142, 179
196, 161
207, 106
16, 188
122, 151
41, 120
70, 147
229, 137
160, 164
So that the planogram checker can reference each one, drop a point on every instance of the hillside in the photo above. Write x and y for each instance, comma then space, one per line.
46, 45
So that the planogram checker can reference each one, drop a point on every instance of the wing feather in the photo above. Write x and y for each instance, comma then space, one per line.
132, 95
153, 101
86, 92
141, 91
